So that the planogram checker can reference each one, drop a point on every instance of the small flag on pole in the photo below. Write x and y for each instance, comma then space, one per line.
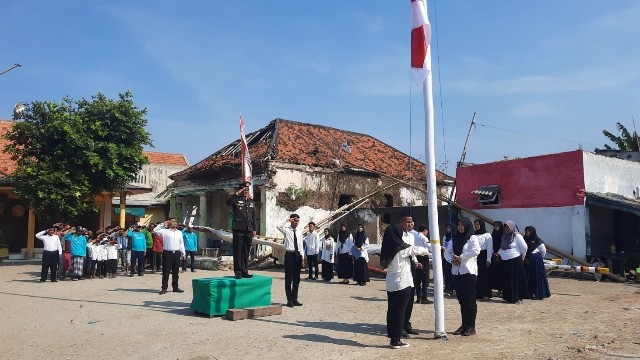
420, 41
246, 159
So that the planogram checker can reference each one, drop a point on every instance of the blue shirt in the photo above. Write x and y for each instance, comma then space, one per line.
138, 241
78, 244
190, 241
122, 240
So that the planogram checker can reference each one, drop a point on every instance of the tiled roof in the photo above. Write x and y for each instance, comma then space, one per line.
166, 158
7, 166
315, 145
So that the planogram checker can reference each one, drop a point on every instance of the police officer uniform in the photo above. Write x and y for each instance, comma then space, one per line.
244, 224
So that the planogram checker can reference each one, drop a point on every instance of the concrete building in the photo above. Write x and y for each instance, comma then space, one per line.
308, 169
578, 201
146, 208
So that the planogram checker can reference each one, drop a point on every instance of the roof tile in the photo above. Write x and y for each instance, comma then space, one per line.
166, 158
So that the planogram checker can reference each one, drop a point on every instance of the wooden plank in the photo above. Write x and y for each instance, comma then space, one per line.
255, 312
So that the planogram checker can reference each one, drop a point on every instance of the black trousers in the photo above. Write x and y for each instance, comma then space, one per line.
312, 262
112, 266
170, 263
396, 309
409, 309
421, 277
148, 256
292, 264
513, 284
156, 260
191, 254
327, 270
50, 260
466, 288
241, 247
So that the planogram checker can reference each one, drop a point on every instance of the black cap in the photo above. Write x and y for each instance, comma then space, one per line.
245, 184
294, 216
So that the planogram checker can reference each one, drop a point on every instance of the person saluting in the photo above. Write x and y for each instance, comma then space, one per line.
244, 228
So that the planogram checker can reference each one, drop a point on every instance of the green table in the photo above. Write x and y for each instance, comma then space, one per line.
214, 296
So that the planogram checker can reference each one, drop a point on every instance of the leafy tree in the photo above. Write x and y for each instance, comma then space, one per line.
69, 152
625, 142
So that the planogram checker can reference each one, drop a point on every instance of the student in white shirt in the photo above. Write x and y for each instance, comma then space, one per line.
112, 248
512, 252
292, 258
361, 257
462, 253
344, 242
311, 248
449, 287
327, 250
422, 272
395, 256
484, 261
535, 273
51, 253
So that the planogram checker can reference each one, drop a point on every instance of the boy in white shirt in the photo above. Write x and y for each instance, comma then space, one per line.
112, 257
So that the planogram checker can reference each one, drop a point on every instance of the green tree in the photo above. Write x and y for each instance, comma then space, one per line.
625, 142
69, 152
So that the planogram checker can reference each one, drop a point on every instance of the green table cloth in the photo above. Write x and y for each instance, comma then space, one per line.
214, 296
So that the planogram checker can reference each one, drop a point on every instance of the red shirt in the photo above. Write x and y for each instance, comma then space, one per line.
157, 243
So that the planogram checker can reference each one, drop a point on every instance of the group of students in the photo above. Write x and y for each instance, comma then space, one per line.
475, 262
348, 252
74, 251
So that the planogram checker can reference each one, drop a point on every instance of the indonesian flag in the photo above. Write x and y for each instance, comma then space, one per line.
420, 40
246, 159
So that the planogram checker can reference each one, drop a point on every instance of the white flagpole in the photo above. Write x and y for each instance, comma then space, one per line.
432, 201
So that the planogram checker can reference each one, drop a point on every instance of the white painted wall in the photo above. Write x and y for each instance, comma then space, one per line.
606, 174
561, 227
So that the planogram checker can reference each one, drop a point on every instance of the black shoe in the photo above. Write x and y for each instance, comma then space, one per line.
238, 276
247, 276
163, 291
297, 303
130, 275
469, 332
426, 300
405, 334
398, 344
290, 303
54, 280
309, 278
460, 330
178, 290
410, 330
140, 274
42, 280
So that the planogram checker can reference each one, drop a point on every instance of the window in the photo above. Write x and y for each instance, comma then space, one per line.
488, 195
345, 199
389, 198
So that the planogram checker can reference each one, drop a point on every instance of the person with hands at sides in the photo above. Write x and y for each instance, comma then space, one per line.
311, 249
51, 253
513, 250
243, 227
138, 248
292, 258
172, 252
421, 276
190, 246
327, 249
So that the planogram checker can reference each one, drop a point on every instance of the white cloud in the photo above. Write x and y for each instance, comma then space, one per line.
540, 109
625, 20
585, 79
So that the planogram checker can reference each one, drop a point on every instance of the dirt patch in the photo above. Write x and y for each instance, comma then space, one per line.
100, 319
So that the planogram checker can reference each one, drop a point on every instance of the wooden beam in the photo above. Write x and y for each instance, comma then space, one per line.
250, 313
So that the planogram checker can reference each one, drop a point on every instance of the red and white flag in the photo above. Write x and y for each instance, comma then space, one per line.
246, 159
420, 41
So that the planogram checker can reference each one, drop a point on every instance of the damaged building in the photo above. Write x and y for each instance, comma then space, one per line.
308, 169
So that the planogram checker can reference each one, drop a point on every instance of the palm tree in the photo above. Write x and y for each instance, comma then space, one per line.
624, 142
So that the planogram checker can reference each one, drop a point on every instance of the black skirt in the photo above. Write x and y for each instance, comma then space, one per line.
327, 270
513, 284
484, 282
361, 271
345, 266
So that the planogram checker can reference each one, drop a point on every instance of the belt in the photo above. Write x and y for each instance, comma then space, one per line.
171, 251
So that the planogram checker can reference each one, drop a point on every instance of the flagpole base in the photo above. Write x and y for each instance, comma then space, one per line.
442, 336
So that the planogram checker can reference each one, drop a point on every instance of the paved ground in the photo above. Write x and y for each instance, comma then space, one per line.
126, 318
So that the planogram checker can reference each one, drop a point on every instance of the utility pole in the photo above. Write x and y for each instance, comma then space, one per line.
11, 68
635, 131
464, 155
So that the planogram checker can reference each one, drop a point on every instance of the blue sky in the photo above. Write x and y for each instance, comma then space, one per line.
563, 69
